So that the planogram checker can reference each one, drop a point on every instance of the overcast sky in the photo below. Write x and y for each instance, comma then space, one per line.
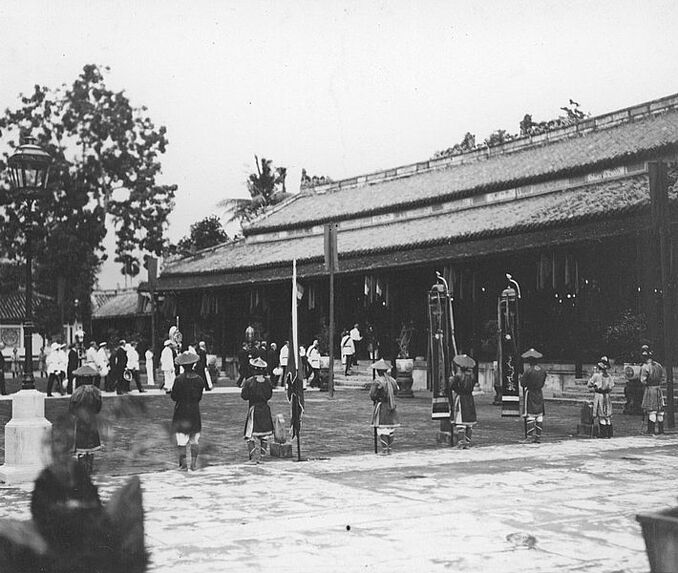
340, 88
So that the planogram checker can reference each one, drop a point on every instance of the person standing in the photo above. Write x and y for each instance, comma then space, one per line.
244, 357
118, 366
356, 337
133, 364
150, 367
16, 370
533, 380
384, 414
272, 361
186, 422
167, 366
257, 390
3, 389
84, 406
42, 364
103, 366
347, 351
284, 357
602, 383
72, 366
54, 369
651, 376
201, 366
462, 405
314, 364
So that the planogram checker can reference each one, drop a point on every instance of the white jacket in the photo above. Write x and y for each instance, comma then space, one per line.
284, 354
314, 357
132, 358
102, 362
167, 359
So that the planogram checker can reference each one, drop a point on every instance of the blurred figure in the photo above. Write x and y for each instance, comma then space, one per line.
244, 357
133, 364
84, 406
103, 366
150, 367
201, 366
356, 337
72, 365
118, 366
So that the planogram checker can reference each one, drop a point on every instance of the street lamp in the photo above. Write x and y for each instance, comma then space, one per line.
28, 433
29, 170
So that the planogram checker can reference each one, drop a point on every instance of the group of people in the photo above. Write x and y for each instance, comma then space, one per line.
171, 369
116, 366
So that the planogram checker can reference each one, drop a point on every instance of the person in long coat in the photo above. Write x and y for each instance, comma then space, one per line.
103, 366
167, 366
257, 390
384, 415
651, 376
602, 383
84, 406
462, 405
201, 366
186, 422
533, 380
347, 351
118, 363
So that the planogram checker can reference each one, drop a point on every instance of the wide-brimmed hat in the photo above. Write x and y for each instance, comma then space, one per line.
645, 350
186, 357
122, 342
381, 365
85, 370
532, 354
102, 344
604, 363
258, 362
464, 361
168, 342
55, 346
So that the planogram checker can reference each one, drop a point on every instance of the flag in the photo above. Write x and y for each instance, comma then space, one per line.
293, 382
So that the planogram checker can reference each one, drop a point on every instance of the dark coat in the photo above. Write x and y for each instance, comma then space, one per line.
383, 414
258, 392
72, 361
462, 385
533, 380
187, 393
118, 362
85, 404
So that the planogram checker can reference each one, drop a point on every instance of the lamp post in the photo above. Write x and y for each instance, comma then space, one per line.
28, 433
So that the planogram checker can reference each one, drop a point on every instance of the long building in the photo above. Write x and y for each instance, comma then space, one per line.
566, 212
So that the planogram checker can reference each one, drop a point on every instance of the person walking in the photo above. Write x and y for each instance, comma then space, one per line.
384, 414
347, 351
167, 366
651, 376
118, 367
533, 380
16, 369
150, 367
356, 337
42, 364
313, 355
257, 390
3, 389
186, 422
72, 366
273, 361
133, 364
103, 366
602, 383
462, 405
84, 406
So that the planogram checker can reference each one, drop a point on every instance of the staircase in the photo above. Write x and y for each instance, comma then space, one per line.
360, 377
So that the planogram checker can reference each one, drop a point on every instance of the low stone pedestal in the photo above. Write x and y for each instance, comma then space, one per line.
27, 438
281, 450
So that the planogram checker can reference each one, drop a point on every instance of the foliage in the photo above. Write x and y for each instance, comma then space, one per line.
266, 188
104, 175
468, 143
624, 337
324, 339
404, 339
207, 232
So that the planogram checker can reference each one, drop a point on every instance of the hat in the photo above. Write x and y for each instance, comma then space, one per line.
464, 361
381, 365
604, 363
532, 354
55, 346
85, 370
258, 362
168, 342
645, 350
186, 357
122, 342
102, 344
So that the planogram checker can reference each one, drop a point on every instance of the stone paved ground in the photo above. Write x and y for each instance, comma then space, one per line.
567, 505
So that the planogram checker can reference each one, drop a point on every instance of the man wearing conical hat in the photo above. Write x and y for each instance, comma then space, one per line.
84, 406
257, 390
602, 383
384, 415
533, 380
186, 422
462, 405
651, 376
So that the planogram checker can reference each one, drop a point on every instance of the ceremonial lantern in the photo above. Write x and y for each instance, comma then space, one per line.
508, 348
442, 348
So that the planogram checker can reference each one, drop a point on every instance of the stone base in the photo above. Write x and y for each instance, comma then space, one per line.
280, 450
13, 475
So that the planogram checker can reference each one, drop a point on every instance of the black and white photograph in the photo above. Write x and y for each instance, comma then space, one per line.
311, 286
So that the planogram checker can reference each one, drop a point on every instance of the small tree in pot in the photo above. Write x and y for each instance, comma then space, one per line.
405, 364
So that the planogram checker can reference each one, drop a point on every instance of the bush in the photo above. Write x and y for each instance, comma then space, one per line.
624, 337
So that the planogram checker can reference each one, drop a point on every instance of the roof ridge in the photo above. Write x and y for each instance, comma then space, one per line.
598, 122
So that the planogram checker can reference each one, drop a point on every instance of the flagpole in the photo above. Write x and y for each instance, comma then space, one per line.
295, 346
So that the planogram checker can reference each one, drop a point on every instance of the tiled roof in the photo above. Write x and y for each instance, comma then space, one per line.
101, 297
581, 153
122, 304
13, 305
596, 202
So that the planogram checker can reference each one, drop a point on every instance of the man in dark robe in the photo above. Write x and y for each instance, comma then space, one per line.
533, 380
118, 365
